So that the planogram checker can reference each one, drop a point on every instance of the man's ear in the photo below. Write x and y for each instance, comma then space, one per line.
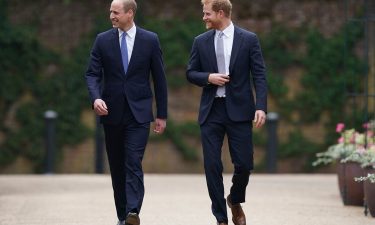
131, 12
221, 13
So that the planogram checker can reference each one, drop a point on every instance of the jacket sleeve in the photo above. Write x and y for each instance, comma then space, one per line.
159, 80
94, 72
193, 73
258, 71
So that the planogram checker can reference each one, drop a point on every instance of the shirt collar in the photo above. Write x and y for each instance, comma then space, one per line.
131, 32
228, 31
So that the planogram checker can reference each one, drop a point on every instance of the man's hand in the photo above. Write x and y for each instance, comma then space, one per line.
218, 79
160, 125
100, 107
259, 118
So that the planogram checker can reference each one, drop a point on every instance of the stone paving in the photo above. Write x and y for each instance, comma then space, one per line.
173, 200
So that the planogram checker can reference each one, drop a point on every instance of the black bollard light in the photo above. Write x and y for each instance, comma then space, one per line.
272, 142
50, 118
99, 147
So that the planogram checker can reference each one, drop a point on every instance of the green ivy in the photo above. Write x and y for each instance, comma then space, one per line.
21, 60
280, 47
296, 145
176, 38
325, 82
25, 80
327, 71
176, 134
24, 61
65, 90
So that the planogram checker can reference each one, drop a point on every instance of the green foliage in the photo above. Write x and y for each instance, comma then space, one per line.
276, 85
327, 69
190, 129
67, 2
64, 89
28, 89
299, 146
296, 145
280, 47
176, 37
31, 90
323, 62
259, 137
21, 60
3, 12
176, 134
326, 80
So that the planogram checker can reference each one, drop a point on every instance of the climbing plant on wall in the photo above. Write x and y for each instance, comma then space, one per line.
28, 89
34, 79
324, 81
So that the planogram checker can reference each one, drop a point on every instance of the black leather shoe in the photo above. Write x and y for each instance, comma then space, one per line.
132, 219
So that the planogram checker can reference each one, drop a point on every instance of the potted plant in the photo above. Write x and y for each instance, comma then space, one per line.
350, 141
365, 156
369, 189
367, 160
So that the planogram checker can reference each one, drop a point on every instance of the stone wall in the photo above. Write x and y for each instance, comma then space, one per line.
61, 25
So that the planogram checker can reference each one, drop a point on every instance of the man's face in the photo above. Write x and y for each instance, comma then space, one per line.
210, 17
119, 18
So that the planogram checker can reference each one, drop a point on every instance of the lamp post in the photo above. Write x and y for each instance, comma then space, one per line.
50, 142
99, 147
272, 142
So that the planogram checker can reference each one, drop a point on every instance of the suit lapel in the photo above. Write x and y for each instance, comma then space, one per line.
137, 45
210, 43
237, 42
116, 48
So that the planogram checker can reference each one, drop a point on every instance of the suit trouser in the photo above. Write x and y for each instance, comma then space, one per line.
125, 144
239, 136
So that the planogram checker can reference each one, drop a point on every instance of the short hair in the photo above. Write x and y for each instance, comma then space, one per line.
218, 5
129, 4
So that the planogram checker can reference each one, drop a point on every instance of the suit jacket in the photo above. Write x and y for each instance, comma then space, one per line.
246, 58
134, 86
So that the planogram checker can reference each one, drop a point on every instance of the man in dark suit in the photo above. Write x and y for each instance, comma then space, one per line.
120, 65
221, 62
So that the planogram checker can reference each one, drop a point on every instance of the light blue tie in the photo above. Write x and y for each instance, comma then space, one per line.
124, 52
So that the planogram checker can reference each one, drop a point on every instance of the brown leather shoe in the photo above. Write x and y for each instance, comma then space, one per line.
238, 216
132, 219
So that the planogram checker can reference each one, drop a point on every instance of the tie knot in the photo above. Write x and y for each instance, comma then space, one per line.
221, 34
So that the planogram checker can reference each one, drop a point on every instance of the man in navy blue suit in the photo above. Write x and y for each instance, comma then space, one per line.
227, 63
118, 80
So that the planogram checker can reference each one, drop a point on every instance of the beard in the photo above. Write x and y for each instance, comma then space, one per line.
212, 24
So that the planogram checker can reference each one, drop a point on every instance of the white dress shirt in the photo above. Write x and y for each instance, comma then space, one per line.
228, 34
130, 37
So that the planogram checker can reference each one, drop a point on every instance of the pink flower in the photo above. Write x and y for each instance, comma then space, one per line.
340, 140
352, 138
361, 149
340, 127
366, 125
